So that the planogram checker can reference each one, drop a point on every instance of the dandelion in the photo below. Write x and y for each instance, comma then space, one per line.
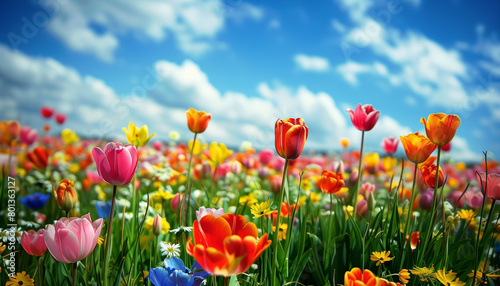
424, 273
404, 276
466, 215
381, 257
169, 249
448, 278
262, 209
282, 231
21, 279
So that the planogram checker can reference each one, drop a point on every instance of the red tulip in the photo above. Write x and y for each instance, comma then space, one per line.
226, 245
39, 157
46, 112
290, 137
33, 242
364, 117
330, 182
117, 163
429, 175
60, 118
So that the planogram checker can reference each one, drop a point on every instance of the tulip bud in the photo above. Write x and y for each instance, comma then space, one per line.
362, 207
157, 225
425, 200
174, 202
65, 195
371, 202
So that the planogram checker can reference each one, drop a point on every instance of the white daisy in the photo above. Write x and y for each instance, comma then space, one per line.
170, 249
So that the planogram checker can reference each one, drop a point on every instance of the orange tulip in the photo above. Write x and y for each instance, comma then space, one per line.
65, 195
290, 136
9, 131
417, 147
441, 128
39, 157
356, 277
330, 182
226, 245
197, 120
429, 175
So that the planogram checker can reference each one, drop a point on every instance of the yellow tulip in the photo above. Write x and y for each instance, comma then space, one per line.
137, 137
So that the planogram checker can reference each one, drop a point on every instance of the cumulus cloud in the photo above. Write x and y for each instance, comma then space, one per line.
94, 27
350, 70
311, 63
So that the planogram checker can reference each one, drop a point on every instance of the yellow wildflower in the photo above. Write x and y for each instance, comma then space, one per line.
282, 231
466, 214
448, 279
404, 276
424, 273
261, 209
381, 257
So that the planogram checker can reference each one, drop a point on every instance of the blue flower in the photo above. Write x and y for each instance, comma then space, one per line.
176, 274
35, 201
103, 209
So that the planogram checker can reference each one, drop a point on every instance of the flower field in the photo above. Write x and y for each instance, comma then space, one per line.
96, 211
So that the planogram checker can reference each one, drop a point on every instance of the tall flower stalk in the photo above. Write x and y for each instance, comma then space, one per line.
290, 136
364, 118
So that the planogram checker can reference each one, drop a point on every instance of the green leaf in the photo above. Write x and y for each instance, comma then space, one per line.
234, 281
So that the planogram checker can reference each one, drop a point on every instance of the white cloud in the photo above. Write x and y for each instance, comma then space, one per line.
311, 63
350, 70
356, 8
274, 24
194, 24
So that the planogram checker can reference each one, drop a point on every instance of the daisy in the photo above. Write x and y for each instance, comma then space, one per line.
170, 249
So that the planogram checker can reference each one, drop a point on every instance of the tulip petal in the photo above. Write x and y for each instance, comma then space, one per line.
53, 245
69, 245
102, 163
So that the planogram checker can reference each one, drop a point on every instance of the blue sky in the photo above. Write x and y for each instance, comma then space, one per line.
105, 63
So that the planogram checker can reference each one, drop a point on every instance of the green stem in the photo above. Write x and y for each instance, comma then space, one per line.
39, 272
187, 194
108, 237
226, 281
354, 198
433, 212
74, 273
278, 222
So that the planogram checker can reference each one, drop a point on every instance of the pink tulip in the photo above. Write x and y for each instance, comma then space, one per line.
474, 198
60, 118
362, 207
33, 242
446, 147
364, 117
491, 183
266, 156
174, 202
390, 145
117, 163
28, 135
93, 176
46, 112
72, 239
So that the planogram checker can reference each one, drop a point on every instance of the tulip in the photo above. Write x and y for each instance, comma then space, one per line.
290, 137
60, 118
417, 147
425, 200
429, 175
117, 163
72, 239
331, 182
46, 112
174, 202
39, 157
362, 207
441, 128
474, 199
265, 156
9, 131
344, 142
197, 120
69, 137
357, 277
226, 245
65, 195
219, 153
364, 117
28, 136
157, 225
137, 137
390, 145
446, 147
491, 183
33, 242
